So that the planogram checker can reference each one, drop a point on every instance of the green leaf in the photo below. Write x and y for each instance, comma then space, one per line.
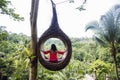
5, 9
94, 25
99, 41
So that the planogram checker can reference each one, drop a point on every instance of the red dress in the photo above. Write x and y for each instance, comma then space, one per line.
53, 55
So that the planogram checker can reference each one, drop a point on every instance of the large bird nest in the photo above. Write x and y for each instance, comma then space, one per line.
54, 31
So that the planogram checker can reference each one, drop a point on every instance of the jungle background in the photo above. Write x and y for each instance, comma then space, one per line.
87, 58
98, 56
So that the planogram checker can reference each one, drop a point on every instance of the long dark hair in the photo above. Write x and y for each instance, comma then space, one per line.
53, 47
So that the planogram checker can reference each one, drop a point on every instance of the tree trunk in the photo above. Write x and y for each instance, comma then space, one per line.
113, 51
33, 57
116, 68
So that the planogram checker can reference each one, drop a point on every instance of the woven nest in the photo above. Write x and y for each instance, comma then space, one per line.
55, 33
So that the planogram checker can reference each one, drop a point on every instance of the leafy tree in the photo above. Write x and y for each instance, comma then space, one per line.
3, 33
5, 9
10, 41
14, 63
107, 32
100, 69
6, 66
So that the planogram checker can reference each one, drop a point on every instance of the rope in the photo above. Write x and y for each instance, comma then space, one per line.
54, 19
53, 4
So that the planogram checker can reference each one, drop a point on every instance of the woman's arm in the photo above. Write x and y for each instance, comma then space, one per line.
60, 52
46, 52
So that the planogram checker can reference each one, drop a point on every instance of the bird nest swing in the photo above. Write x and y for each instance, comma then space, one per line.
54, 31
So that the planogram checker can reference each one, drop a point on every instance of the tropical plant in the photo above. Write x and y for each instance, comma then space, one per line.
6, 66
6, 8
21, 63
100, 69
107, 32
14, 55
74, 71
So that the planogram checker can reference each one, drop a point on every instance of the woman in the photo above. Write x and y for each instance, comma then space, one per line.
53, 53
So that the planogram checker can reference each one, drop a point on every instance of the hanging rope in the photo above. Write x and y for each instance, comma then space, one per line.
54, 19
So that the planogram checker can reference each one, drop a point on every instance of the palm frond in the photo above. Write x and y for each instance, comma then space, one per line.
106, 37
108, 25
107, 21
100, 41
115, 7
118, 41
117, 17
92, 25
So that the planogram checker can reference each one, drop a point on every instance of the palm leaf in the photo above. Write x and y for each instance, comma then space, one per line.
115, 7
118, 41
101, 42
107, 21
108, 28
92, 25
108, 25
117, 17
117, 24
106, 37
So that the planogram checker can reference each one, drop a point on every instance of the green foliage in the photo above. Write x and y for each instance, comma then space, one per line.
7, 47
6, 8
15, 61
6, 66
57, 42
72, 72
100, 67
87, 56
3, 33
107, 32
